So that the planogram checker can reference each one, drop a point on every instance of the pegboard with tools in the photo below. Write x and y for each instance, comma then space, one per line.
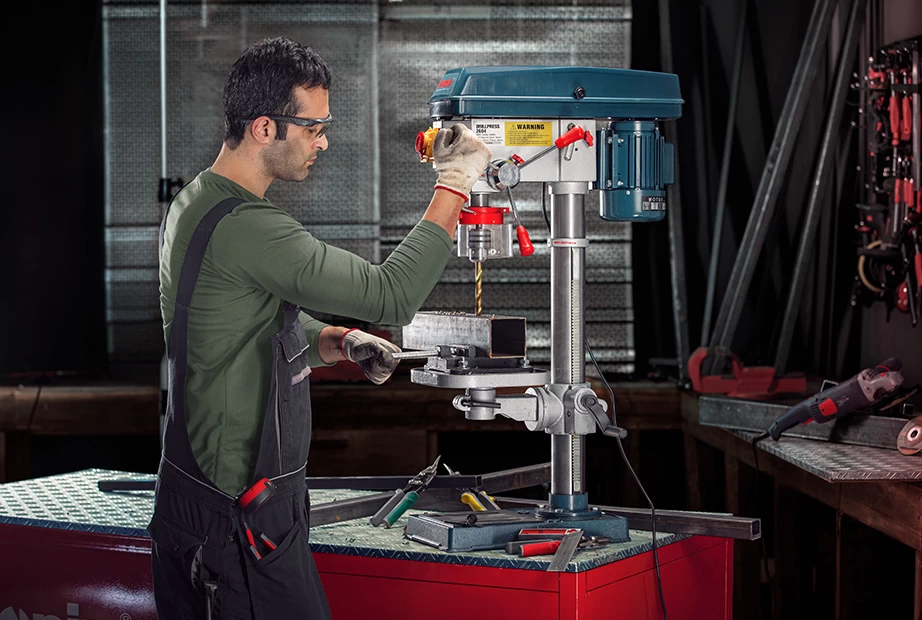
890, 224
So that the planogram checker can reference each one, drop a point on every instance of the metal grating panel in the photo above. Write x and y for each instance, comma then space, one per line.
369, 185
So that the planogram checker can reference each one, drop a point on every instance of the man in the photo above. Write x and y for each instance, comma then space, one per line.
230, 528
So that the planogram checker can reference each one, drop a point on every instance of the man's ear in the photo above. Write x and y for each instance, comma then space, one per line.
262, 130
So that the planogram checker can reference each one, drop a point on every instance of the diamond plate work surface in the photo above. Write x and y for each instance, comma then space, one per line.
841, 462
73, 502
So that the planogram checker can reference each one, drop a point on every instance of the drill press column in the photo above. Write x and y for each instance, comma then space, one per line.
568, 253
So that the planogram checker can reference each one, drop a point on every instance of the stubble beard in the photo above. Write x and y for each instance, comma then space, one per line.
281, 162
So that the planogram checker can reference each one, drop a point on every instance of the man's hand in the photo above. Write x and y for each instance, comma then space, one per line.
460, 157
371, 353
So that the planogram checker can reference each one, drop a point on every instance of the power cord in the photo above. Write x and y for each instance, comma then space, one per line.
755, 461
614, 420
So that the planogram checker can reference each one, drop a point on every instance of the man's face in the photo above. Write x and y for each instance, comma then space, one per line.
291, 159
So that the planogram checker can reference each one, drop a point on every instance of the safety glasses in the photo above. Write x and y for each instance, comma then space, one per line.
324, 123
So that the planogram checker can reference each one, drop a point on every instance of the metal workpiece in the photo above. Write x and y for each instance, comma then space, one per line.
493, 336
757, 416
675, 521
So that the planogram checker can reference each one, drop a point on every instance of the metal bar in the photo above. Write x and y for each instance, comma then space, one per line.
495, 336
412, 355
496, 482
757, 416
720, 215
820, 182
355, 483
721, 525
772, 176
384, 483
674, 206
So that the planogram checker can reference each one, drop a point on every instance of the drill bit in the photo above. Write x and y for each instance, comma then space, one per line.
478, 288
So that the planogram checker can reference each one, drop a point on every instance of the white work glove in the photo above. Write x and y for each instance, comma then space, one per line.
371, 353
460, 157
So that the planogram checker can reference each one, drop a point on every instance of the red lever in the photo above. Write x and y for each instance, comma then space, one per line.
525, 246
577, 133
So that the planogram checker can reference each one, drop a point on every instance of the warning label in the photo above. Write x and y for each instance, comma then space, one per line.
492, 133
529, 133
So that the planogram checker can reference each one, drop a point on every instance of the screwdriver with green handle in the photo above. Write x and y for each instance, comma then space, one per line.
403, 499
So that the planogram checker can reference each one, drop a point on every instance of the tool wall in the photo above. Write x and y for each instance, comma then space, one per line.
369, 189
890, 222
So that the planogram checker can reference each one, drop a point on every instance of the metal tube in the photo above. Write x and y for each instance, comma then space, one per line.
674, 205
568, 225
820, 182
773, 174
720, 215
716, 524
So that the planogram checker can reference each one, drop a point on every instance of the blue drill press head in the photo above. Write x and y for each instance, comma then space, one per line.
521, 108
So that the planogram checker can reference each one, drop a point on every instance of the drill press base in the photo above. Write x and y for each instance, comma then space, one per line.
458, 531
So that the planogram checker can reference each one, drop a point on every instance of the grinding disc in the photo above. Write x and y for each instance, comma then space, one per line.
909, 440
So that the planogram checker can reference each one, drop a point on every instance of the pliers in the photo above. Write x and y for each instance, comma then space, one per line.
403, 499
477, 499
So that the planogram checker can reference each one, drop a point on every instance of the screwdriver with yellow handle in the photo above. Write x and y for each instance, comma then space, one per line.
478, 500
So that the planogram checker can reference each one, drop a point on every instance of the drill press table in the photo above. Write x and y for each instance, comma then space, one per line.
81, 553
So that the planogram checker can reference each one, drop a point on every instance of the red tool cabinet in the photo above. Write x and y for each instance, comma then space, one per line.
63, 574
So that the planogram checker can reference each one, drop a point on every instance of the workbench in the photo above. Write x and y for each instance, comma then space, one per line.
83, 553
814, 550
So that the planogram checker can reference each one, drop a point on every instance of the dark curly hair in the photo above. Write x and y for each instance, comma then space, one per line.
262, 81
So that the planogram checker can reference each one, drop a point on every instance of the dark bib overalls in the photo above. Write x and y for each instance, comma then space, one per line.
203, 567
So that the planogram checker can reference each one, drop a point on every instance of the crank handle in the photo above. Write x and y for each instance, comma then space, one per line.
588, 402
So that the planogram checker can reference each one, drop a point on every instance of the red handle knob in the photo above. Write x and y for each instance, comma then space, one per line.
570, 137
545, 548
525, 246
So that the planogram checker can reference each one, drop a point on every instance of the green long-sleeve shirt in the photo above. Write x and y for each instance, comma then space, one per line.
259, 256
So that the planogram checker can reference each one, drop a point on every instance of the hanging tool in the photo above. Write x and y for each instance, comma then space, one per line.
403, 499
477, 499
744, 381
250, 501
877, 387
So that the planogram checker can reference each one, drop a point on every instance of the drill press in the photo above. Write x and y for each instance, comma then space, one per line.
577, 129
